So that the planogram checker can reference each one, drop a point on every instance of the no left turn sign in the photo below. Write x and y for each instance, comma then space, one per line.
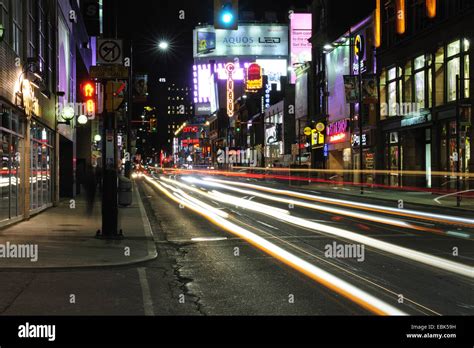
109, 51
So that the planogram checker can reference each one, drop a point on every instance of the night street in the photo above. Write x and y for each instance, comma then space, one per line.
199, 169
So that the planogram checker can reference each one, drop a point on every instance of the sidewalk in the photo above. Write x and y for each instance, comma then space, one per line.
65, 238
420, 198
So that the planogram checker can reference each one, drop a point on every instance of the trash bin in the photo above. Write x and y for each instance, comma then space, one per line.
124, 191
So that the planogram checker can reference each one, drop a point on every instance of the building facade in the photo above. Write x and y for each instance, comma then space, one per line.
425, 68
37, 75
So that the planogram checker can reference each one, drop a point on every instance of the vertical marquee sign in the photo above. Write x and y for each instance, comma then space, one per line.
230, 67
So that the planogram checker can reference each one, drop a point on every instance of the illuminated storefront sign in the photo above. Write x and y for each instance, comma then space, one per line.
317, 139
27, 99
337, 131
300, 29
188, 142
191, 129
230, 89
254, 77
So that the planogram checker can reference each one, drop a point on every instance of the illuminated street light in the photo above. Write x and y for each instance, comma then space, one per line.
82, 119
68, 113
327, 47
97, 138
163, 45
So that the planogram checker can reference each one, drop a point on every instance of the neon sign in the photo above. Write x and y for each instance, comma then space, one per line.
337, 131
254, 78
230, 67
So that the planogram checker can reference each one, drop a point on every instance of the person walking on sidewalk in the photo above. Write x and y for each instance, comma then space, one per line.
91, 187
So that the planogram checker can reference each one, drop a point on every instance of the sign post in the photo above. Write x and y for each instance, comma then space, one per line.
110, 69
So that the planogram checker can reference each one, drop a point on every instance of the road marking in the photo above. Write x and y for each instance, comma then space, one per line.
458, 234
270, 226
152, 252
323, 221
146, 295
451, 194
208, 239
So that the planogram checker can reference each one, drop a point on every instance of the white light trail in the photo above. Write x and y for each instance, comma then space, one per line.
340, 286
406, 212
407, 253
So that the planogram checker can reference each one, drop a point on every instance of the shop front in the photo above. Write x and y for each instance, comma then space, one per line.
408, 147
11, 184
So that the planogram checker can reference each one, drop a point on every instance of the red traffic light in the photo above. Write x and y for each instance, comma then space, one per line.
88, 90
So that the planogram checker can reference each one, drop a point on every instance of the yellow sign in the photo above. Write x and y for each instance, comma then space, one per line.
358, 45
320, 126
307, 131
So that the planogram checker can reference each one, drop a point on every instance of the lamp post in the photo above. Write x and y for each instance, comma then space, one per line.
359, 119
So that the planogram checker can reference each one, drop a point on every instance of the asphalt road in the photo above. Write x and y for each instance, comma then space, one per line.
256, 279
227, 248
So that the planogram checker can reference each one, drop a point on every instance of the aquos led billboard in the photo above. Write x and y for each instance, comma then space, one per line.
249, 40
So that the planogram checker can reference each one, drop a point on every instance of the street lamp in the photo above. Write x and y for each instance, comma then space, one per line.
2, 32
82, 119
163, 45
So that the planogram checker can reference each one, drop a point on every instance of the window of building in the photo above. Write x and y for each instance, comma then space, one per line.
407, 85
392, 98
439, 77
11, 140
41, 157
457, 65
5, 19
32, 28
17, 31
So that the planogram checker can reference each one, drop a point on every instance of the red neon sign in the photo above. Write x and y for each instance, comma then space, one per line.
336, 138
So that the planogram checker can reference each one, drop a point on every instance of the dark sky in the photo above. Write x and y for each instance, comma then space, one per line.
148, 21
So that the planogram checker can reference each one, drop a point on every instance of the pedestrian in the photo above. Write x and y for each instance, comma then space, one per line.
91, 187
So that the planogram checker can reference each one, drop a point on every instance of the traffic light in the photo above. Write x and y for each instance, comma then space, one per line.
153, 125
237, 126
115, 94
89, 97
226, 14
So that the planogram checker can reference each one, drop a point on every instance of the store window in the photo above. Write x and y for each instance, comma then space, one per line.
422, 81
439, 77
457, 65
42, 154
407, 85
11, 141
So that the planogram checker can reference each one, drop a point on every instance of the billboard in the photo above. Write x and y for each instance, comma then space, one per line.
248, 40
337, 62
206, 42
300, 28
301, 93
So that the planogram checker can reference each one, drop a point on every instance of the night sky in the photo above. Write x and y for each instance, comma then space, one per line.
146, 22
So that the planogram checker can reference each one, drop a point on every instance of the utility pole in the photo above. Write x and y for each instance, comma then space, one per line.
128, 163
361, 151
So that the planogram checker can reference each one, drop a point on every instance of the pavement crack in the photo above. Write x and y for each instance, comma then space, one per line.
20, 292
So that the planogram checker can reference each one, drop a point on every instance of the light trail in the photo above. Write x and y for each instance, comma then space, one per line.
407, 253
357, 215
446, 219
332, 282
